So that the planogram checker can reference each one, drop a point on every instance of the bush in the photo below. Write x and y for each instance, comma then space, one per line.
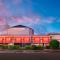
12, 47
54, 44
1, 46
28, 47
34, 47
4, 46
47, 47
39, 47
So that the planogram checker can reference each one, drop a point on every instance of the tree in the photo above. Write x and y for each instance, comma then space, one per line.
54, 44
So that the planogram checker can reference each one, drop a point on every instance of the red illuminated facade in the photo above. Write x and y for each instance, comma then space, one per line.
22, 35
25, 39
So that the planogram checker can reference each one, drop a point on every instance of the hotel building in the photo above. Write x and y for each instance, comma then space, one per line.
22, 35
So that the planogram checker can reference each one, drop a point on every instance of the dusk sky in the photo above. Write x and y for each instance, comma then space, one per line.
41, 15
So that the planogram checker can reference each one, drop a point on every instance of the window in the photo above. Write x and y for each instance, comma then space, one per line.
45, 39
7, 39
1, 40
18, 40
36, 39
26, 39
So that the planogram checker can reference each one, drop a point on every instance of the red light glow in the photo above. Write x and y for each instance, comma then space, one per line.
18, 40
45, 39
36, 39
25, 39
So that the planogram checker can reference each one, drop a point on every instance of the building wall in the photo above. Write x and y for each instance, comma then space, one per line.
18, 31
57, 37
25, 39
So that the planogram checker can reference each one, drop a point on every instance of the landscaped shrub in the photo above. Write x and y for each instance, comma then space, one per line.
34, 47
4, 46
16, 47
13, 47
27, 47
47, 47
10, 47
40, 47
54, 44
0, 46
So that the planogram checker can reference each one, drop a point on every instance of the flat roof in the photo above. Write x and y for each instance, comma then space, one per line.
53, 34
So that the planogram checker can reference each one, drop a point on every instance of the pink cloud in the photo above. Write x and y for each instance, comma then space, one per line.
4, 13
3, 21
3, 10
17, 2
33, 20
3, 24
24, 19
50, 19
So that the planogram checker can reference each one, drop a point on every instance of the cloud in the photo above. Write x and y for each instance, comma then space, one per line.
38, 23
22, 7
25, 19
29, 18
3, 21
3, 24
48, 20
3, 10
58, 20
17, 2
33, 20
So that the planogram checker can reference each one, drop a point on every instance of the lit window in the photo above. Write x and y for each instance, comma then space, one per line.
36, 40
1, 39
45, 39
8, 40
18, 40
26, 39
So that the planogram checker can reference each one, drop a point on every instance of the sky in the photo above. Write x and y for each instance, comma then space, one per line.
41, 15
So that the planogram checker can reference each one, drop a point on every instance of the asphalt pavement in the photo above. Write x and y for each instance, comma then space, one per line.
30, 56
